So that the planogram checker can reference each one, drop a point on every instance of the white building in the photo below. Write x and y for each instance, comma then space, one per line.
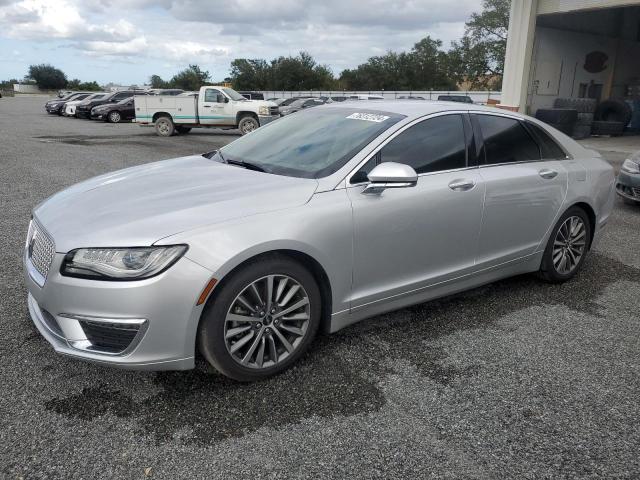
571, 48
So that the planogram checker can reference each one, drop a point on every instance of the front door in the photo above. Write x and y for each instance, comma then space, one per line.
215, 109
409, 238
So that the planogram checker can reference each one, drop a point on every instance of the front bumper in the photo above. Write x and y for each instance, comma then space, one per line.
157, 317
98, 115
51, 109
628, 186
264, 119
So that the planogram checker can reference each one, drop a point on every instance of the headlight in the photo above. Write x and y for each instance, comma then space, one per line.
630, 166
133, 263
264, 110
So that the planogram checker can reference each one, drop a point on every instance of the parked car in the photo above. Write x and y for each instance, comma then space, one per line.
64, 93
339, 98
252, 95
69, 109
114, 112
314, 222
288, 101
628, 181
455, 98
165, 91
410, 97
218, 107
365, 97
55, 106
300, 104
83, 109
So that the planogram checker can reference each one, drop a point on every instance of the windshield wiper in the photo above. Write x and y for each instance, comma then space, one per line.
247, 165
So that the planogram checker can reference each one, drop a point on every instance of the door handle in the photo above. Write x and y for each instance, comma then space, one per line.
548, 174
208, 106
462, 185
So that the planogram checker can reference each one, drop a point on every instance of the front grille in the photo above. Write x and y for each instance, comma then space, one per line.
40, 249
636, 191
109, 337
274, 110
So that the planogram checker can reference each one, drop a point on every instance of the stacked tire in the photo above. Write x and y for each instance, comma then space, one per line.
611, 117
563, 119
585, 108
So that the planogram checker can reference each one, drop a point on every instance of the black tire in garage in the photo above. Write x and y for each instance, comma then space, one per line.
581, 131
557, 116
584, 119
581, 105
566, 128
607, 128
614, 111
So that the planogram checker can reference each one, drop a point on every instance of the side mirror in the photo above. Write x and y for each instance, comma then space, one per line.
390, 175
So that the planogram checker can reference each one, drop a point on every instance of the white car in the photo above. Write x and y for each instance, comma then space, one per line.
70, 107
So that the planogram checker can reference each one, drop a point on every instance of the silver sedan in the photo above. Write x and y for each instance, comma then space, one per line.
319, 220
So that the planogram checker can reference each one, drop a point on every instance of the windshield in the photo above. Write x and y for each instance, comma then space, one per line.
312, 143
232, 94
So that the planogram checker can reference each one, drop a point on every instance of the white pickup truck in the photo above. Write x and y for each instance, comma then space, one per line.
218, 107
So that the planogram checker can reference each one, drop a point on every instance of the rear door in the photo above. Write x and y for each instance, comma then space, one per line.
215, 108
524, 190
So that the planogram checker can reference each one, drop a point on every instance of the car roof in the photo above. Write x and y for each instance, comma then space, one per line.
416, 108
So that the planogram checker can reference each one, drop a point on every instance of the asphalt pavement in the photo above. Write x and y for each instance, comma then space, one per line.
518, 379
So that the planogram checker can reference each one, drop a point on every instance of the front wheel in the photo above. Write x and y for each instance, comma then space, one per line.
567, 246
262, 320
248, 125
164, 127
114, 117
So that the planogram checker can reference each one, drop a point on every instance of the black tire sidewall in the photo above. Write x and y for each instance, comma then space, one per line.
172, 127
211, 341
547, 267
248, 119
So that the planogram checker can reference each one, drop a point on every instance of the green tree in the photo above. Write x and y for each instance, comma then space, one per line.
191, 78
250, 74
47, 77
157, 82
479, 56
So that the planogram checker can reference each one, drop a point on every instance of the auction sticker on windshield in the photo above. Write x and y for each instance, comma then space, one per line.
369, 117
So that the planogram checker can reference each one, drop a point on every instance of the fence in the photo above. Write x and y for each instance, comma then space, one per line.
482, 97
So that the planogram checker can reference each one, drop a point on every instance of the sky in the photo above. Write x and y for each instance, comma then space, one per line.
127, 41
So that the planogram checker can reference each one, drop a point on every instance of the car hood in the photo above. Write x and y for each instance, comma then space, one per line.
141, 205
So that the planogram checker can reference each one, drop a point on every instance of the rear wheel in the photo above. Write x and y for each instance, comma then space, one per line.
114, 117
567, 246
262, 320
164, 126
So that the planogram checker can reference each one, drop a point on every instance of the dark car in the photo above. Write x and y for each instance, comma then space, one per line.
114, 112
288, 101
300, 104
252, 95
410, 97
455, 98
57, 105
83, 110
628, 181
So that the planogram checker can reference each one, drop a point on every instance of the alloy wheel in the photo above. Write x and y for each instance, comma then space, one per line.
248, 127
114, 117
267, 321
569, 245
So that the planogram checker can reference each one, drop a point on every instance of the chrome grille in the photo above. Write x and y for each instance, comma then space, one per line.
274, 110
40, 249
636, 191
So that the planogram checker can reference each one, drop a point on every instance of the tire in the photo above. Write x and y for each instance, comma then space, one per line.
585, 119
114, 117
557, 115
607, 128
581, 131
214, 342
614, 111
164, 126
566, 128
182, 130
581, 105
549, 271
248, 124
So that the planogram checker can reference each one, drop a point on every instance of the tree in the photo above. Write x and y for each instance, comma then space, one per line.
47, 77
157, 82
191, 78
479, 56
250, 74
77, 84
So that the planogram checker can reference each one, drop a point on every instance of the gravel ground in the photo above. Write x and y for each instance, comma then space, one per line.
518, 379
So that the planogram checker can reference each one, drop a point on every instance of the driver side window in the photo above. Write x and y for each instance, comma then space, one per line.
211, 95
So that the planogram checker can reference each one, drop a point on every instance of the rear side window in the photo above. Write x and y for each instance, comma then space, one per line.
433, 145
506, 141
550, 149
